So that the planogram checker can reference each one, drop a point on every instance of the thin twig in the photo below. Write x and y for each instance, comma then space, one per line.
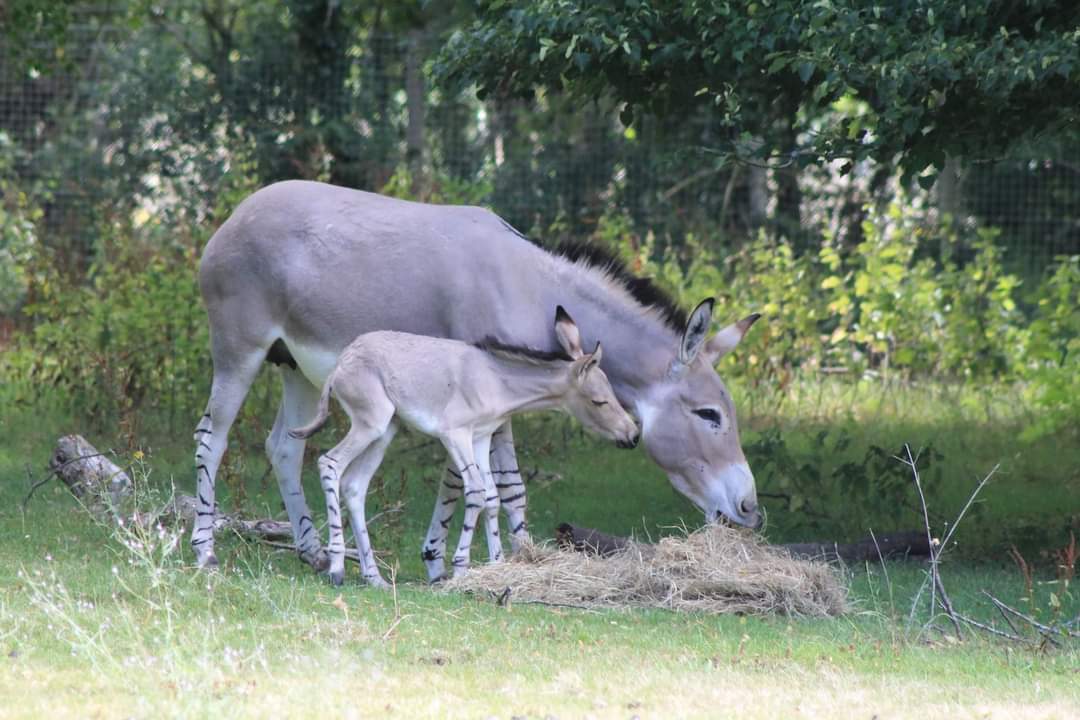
884, 569
970, 500
993, 630
946, 603
912, 463
1047, 630
1008, 620
34, 485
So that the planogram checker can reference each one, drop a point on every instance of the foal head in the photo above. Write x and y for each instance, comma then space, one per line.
589, 397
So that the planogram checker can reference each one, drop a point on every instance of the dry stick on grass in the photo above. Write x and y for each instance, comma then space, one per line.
938, 595
1048, 631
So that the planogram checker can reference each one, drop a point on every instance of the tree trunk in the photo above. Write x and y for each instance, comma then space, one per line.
415, 102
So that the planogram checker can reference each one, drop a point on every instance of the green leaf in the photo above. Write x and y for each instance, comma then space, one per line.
806, 71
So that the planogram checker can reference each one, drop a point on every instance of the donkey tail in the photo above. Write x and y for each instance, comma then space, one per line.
322, 414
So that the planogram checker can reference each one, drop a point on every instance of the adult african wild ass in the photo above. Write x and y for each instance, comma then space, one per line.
301, 268
461, 394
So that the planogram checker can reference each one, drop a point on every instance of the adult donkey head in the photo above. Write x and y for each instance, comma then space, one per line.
689, 426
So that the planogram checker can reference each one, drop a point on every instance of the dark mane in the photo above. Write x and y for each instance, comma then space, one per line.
520, 352
643, 290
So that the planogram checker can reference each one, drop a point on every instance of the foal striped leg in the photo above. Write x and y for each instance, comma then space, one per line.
331, 467
330, 478
354, 486
511, 487
482, 452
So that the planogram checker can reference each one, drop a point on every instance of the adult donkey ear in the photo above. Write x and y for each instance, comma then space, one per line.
567, 333
725, 341
697, 327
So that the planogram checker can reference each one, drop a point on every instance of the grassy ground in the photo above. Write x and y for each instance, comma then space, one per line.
94, 624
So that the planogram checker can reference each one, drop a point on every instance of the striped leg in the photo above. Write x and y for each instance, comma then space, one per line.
460, 447
211, 436
354, 488
482, 453
433, 551
298, 401
332, 466
508, 482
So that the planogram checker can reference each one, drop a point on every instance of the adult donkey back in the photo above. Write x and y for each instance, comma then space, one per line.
301, 268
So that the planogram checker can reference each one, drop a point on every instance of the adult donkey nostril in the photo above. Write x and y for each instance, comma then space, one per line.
634, 440
748, 506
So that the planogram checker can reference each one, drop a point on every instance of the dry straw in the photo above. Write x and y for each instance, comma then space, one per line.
714, 570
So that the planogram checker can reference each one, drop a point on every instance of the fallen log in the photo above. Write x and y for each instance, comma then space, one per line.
89, 474
907, 543
101, 485
890, 545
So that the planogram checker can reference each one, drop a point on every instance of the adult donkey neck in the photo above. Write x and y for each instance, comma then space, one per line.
638, 326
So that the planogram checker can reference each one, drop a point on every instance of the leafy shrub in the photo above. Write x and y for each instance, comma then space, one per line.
882, 306
1051, 359
133, 337
18, 214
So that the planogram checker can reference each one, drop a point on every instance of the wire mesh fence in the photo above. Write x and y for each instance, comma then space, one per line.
167, 122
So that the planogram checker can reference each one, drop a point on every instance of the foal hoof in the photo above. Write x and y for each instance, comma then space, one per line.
376, 581
438, 579
207, 562
337, 579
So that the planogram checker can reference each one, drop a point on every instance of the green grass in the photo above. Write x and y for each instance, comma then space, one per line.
93, 628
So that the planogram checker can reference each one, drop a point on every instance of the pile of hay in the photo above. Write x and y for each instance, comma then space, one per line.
713, 570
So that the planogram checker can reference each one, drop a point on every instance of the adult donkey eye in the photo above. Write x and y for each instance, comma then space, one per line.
598, 403
708, 414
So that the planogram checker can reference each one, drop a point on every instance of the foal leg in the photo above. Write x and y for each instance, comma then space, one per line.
482, 451
354, 487
299, 399
433, 550
504, 468
460, 447
228, 390
332, 466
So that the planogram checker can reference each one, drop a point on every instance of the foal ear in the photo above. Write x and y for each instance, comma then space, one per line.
725, 341
697, 327
566, 332
596, 355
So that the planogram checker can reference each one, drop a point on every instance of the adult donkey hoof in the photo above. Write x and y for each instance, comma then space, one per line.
377, 581
207, 562
317, 559
337, 579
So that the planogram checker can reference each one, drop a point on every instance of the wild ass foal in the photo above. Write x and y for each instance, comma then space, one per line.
461, 394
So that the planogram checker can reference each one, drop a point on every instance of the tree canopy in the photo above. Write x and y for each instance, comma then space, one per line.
798, 80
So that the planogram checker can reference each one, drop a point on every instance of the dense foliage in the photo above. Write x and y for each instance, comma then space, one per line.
956, 78
117, 164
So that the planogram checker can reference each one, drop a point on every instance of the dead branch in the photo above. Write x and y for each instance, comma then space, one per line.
1048, 631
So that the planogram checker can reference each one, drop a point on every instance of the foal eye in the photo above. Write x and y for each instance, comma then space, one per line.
708, 414
598, 403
